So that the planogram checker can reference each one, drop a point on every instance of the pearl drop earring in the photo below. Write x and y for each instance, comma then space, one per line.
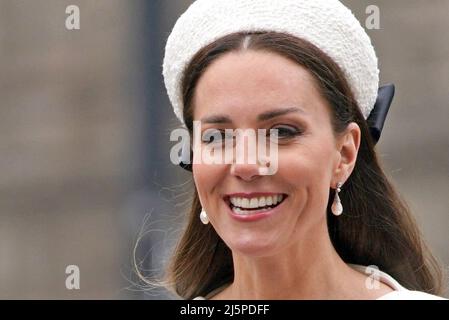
203, 217
337, 207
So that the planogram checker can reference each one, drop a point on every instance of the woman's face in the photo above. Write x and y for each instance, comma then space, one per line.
232, 93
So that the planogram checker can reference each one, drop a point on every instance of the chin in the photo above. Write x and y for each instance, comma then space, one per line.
253, 246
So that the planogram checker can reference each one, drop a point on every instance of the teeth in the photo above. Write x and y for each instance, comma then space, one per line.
247, 212
254, 203
238, 202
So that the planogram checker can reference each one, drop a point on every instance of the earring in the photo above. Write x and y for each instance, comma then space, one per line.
337, 207
203, 217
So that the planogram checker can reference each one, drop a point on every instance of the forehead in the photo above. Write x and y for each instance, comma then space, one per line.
250, 82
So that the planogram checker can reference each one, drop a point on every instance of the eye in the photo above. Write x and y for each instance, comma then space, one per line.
286, 131
215, 136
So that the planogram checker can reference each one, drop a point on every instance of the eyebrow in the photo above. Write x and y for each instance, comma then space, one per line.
267, 115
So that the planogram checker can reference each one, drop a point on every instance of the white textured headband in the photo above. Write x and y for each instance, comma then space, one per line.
327, 24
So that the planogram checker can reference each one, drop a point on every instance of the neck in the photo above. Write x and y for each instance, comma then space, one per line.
310, 269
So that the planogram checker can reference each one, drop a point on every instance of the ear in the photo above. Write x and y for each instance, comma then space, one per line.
348, 144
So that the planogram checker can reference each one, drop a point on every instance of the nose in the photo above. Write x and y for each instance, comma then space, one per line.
245, 171
248, 165
251, 169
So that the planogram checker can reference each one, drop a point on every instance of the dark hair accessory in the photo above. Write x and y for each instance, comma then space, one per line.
376, 119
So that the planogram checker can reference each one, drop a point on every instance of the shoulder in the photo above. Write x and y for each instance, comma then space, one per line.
409, 295
399, 292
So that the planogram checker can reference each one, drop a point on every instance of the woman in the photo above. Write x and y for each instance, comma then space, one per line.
327, 224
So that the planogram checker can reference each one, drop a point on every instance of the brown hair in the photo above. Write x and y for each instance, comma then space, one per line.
377, 227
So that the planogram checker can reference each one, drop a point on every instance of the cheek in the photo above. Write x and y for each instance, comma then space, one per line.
307, 174
306, 165
201, 176
206, 178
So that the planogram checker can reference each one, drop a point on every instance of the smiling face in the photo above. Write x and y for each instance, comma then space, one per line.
235, 90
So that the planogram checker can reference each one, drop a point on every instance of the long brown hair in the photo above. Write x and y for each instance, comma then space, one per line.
377, 227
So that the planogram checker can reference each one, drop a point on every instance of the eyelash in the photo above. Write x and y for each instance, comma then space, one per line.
289, 132
284, 132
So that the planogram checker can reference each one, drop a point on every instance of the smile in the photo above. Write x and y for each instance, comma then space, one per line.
254, 204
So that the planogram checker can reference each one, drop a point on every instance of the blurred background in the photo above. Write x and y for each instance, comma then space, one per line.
84, 139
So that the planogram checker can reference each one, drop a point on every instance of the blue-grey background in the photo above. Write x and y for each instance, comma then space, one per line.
84, 138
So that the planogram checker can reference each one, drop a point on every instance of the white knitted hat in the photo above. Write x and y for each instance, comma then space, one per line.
327, 24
